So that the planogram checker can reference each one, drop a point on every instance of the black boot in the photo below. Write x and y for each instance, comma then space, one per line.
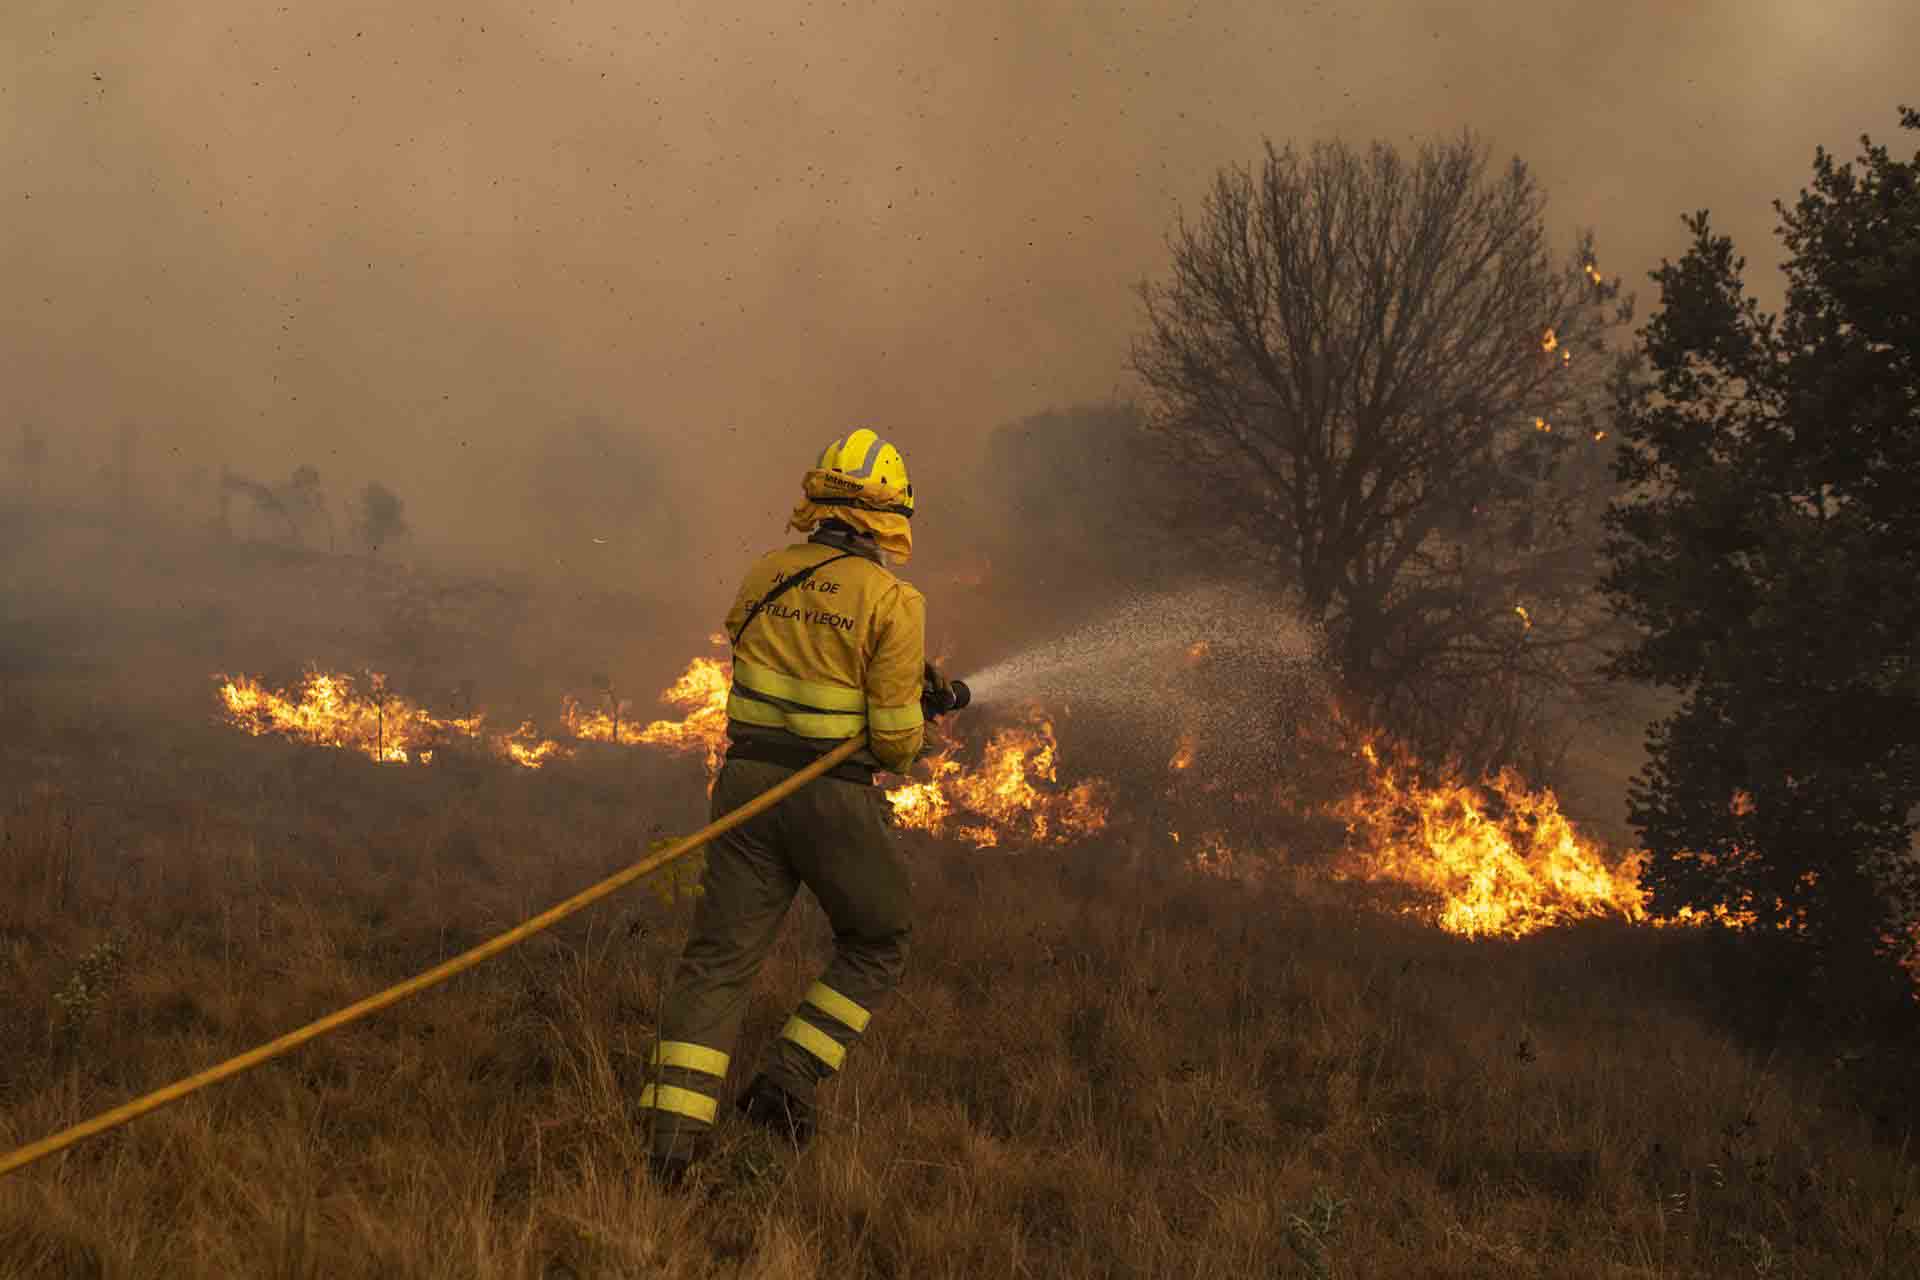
669, 1172
779, 1112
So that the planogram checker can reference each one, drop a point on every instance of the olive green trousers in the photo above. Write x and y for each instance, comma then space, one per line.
831, 836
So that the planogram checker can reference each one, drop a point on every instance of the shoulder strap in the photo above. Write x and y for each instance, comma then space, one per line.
783, 587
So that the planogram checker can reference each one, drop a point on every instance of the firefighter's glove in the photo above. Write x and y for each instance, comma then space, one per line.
936, 694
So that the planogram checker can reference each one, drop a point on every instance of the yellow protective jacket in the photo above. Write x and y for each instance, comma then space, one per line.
842, 652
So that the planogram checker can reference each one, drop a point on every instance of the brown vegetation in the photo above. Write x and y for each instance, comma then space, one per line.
1096, 1067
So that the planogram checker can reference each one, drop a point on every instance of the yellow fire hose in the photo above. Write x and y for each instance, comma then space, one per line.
431, 978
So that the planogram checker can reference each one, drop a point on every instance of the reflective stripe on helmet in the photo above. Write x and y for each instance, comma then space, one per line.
870, 455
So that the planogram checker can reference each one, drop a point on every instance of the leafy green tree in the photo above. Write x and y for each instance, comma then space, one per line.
1768, 549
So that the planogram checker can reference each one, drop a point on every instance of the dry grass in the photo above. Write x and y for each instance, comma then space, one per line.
1096, 1067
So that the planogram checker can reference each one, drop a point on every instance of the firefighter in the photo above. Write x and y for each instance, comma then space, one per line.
827, 644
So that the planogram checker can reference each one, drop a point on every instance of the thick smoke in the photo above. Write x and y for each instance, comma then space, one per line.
583, 286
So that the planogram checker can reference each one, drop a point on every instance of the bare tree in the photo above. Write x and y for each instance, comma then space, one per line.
1381, 373
129, 439
265, 501
30, 455
305, 499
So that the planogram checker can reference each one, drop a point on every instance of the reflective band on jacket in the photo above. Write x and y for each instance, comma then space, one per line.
684, 1102
693, 1057
812, 695
892, 719
815, 1041
806, 724
838, 1007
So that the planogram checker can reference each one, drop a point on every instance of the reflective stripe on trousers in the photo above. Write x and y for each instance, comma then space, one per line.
686, 1080
825, 1025
832, 837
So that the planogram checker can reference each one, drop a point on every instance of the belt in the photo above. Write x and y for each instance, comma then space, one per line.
796, 757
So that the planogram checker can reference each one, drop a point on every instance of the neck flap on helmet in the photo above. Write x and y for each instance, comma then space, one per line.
867, 507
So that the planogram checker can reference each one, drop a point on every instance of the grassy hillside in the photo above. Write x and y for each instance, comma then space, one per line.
1098, 1066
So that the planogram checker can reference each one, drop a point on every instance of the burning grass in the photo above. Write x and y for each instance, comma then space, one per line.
329, 711
1013, 792
1009, 790
1482, 860
1479, 859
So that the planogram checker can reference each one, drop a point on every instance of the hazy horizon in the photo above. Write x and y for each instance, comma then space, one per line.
424, 244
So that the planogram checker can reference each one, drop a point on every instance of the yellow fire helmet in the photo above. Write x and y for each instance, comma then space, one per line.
861, 480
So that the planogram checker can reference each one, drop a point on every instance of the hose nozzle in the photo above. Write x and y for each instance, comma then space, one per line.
948, 695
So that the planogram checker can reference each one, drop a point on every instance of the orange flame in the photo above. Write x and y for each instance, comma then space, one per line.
327, 711
385, 727
1492, 860
1014, 791
1183, 754
701, 695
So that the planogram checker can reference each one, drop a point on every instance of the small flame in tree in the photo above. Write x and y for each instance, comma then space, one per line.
1911, 962
1183, 754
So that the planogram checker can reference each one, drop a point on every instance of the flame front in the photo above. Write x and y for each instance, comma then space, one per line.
1013, 792
329, 712
1492, 859
701, 695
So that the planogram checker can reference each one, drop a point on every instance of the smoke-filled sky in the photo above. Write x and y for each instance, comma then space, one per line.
520, 262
